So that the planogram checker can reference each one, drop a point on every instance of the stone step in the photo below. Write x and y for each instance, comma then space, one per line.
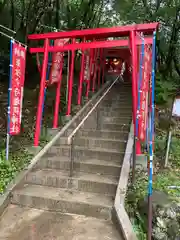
97, 142
83, 153
80, 181
112, 96
122, 119
117, 104
64, 201
103, 134
23, 223
116, 112
117, 98
116, 126
116, 101
89, 166
122, 107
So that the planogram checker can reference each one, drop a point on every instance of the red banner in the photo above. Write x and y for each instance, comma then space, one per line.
87, 65
57, 62
17, 86
144, 90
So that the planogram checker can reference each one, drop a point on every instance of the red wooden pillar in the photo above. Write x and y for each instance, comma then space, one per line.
99, 66
81, 79
94, 70
103, 62
70, 85
41, 94
90, 70
58, 97
134, 83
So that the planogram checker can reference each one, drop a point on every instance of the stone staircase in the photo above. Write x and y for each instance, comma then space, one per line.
97, 154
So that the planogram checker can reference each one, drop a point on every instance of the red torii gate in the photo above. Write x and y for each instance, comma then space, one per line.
92, 39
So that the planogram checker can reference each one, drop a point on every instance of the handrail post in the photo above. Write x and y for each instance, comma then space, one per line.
71, 157
134, 160
97, 119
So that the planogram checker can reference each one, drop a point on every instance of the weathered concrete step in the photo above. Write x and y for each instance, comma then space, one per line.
120, 108
117, 104
104, 134
117, 99
80, 181
63, 200
112, 120
116, 96
116, 112
97, 142
83, 153
114, 99
94, 166
116, 126
23, 223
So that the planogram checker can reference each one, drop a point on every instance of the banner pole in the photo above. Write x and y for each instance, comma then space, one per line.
151, 143
9, 100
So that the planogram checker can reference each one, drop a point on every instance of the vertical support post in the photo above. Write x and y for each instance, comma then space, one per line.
168, 148
94, 70
71, 157
81, 79
58, 97
67, 85
9, 99
134, 92
41, 94
97, 119
134, 84
151, 142
103, 66
70, 85
90, 70
134, 161
99, 66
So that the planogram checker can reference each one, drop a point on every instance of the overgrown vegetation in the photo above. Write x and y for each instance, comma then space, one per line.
164, 179
9, 169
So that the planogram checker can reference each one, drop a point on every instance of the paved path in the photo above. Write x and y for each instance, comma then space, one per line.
31, 224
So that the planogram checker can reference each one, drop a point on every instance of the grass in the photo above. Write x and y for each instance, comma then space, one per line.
9, 169
162, 181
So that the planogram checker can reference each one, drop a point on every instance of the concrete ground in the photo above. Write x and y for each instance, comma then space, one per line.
32, 224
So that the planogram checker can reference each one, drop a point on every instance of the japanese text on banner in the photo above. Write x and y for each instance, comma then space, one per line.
87, 65
143, 113
57, 62
17, 85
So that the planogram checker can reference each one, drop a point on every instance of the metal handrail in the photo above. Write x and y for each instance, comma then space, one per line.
89, 113
71, 136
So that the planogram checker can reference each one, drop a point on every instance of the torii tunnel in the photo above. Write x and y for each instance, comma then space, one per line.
121, 42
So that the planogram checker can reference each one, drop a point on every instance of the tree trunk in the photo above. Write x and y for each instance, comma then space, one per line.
57, 14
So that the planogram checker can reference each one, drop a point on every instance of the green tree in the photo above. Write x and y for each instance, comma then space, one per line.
167, 13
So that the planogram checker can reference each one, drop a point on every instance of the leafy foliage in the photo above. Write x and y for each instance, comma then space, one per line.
9, 169
165, 89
